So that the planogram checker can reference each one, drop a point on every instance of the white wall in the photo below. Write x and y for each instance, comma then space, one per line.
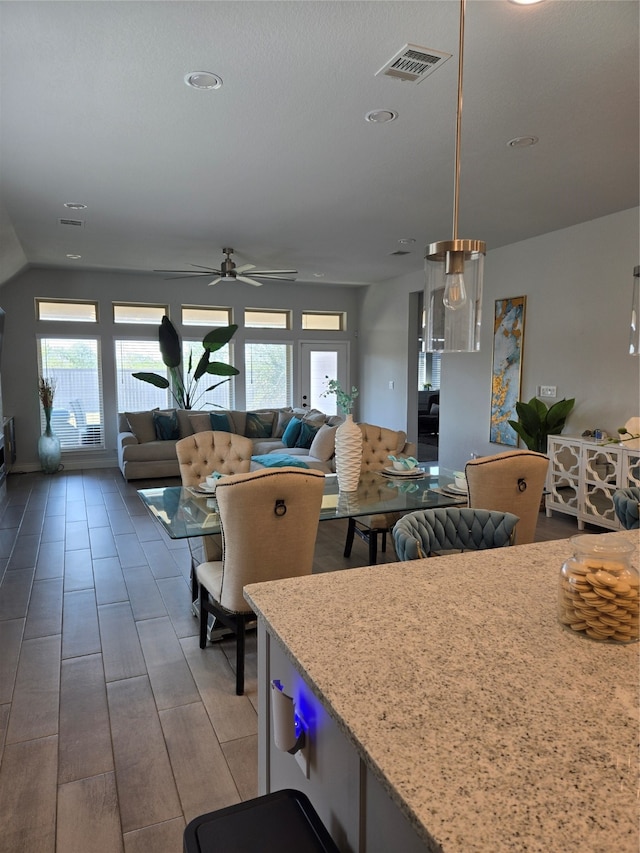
19, 361
578, 285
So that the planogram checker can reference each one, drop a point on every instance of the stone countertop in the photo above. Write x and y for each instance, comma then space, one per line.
491, 726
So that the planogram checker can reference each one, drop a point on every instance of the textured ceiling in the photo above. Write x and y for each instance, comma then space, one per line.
279, 163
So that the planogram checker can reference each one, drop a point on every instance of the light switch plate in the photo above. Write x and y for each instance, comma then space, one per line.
547, 391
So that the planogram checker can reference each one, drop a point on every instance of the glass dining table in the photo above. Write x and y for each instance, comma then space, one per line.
185, 511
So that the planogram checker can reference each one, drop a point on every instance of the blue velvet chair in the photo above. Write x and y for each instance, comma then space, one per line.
445, 530
626, 503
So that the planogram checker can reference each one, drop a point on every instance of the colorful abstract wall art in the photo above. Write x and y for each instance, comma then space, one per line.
508, 340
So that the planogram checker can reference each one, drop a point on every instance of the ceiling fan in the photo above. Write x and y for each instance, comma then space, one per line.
230, 272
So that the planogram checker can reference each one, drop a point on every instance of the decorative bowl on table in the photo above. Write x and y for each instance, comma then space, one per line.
407, 463
460, 481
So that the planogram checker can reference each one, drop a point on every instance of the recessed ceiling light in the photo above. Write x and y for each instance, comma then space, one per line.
381, 116
74, 257
525, 2
406, 241
318, 275
522, 141
75, 205
203, 80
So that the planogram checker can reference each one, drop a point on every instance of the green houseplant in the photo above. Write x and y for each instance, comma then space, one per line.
183, 386
536, 421
344, 399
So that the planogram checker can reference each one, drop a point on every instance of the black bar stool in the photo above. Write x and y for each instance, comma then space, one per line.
280, 822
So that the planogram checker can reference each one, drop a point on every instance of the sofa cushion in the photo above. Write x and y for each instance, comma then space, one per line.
306, 435
166, 425
220, 421
141, 425
292, 432
259, 424
323, 445
284, 416
200, 421
184, 423
151, 451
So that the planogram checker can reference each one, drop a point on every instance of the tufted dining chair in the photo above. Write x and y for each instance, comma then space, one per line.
377, 443
626, 503
434, 532
510, 482
269, 521
198, 456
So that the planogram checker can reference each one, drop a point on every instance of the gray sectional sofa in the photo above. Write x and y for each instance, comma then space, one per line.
145, 450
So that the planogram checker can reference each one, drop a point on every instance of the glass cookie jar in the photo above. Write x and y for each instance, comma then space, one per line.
598, 589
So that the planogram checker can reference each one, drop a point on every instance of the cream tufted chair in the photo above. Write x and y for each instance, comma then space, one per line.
269, 521
510, 482
377, 443
199, 455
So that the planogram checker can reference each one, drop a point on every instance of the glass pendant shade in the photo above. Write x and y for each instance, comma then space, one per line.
453, 295
634, 334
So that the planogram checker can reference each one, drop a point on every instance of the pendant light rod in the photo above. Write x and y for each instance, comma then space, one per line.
456, 176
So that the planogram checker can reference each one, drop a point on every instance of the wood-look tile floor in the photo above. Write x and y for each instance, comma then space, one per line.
116, 729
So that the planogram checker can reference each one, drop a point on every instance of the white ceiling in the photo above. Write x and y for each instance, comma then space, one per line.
279, 163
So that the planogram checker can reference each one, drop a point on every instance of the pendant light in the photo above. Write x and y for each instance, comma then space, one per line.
634, 332
454, 268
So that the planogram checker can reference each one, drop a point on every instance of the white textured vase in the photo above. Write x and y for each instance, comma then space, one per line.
348, 455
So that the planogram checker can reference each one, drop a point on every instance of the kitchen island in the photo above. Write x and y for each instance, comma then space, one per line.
447, 708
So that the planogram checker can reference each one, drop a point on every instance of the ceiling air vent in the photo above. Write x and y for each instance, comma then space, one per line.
77, 222
413, 63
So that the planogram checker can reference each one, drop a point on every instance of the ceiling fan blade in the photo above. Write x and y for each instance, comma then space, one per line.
208, 269
215, 281
249, 280
245, 268
260, 273
275, 278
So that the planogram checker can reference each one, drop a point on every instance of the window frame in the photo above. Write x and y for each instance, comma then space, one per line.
41, 300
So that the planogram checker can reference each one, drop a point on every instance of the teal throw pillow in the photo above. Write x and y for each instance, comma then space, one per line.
220, 422
292, 432
166, 425
306, 436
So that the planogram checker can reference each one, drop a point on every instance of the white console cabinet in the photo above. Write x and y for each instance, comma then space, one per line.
584, 474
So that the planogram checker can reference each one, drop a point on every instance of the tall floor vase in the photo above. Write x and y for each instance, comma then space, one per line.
348, 455
49, 451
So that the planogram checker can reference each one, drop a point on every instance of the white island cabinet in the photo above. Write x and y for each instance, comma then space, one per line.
448, 710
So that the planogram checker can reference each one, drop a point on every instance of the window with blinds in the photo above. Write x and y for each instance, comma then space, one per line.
429, 369
334, 321
130, 312
134, 395
73, 364
67, 311
268, 375
199, 315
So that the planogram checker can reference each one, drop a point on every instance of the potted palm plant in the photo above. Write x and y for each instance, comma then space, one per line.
536, 421
183, 386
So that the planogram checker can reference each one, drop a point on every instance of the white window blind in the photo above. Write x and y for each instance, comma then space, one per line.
268, 375
129, 312
67, 312
134, 395
74, 365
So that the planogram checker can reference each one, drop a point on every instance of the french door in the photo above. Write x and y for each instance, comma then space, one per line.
317, 362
